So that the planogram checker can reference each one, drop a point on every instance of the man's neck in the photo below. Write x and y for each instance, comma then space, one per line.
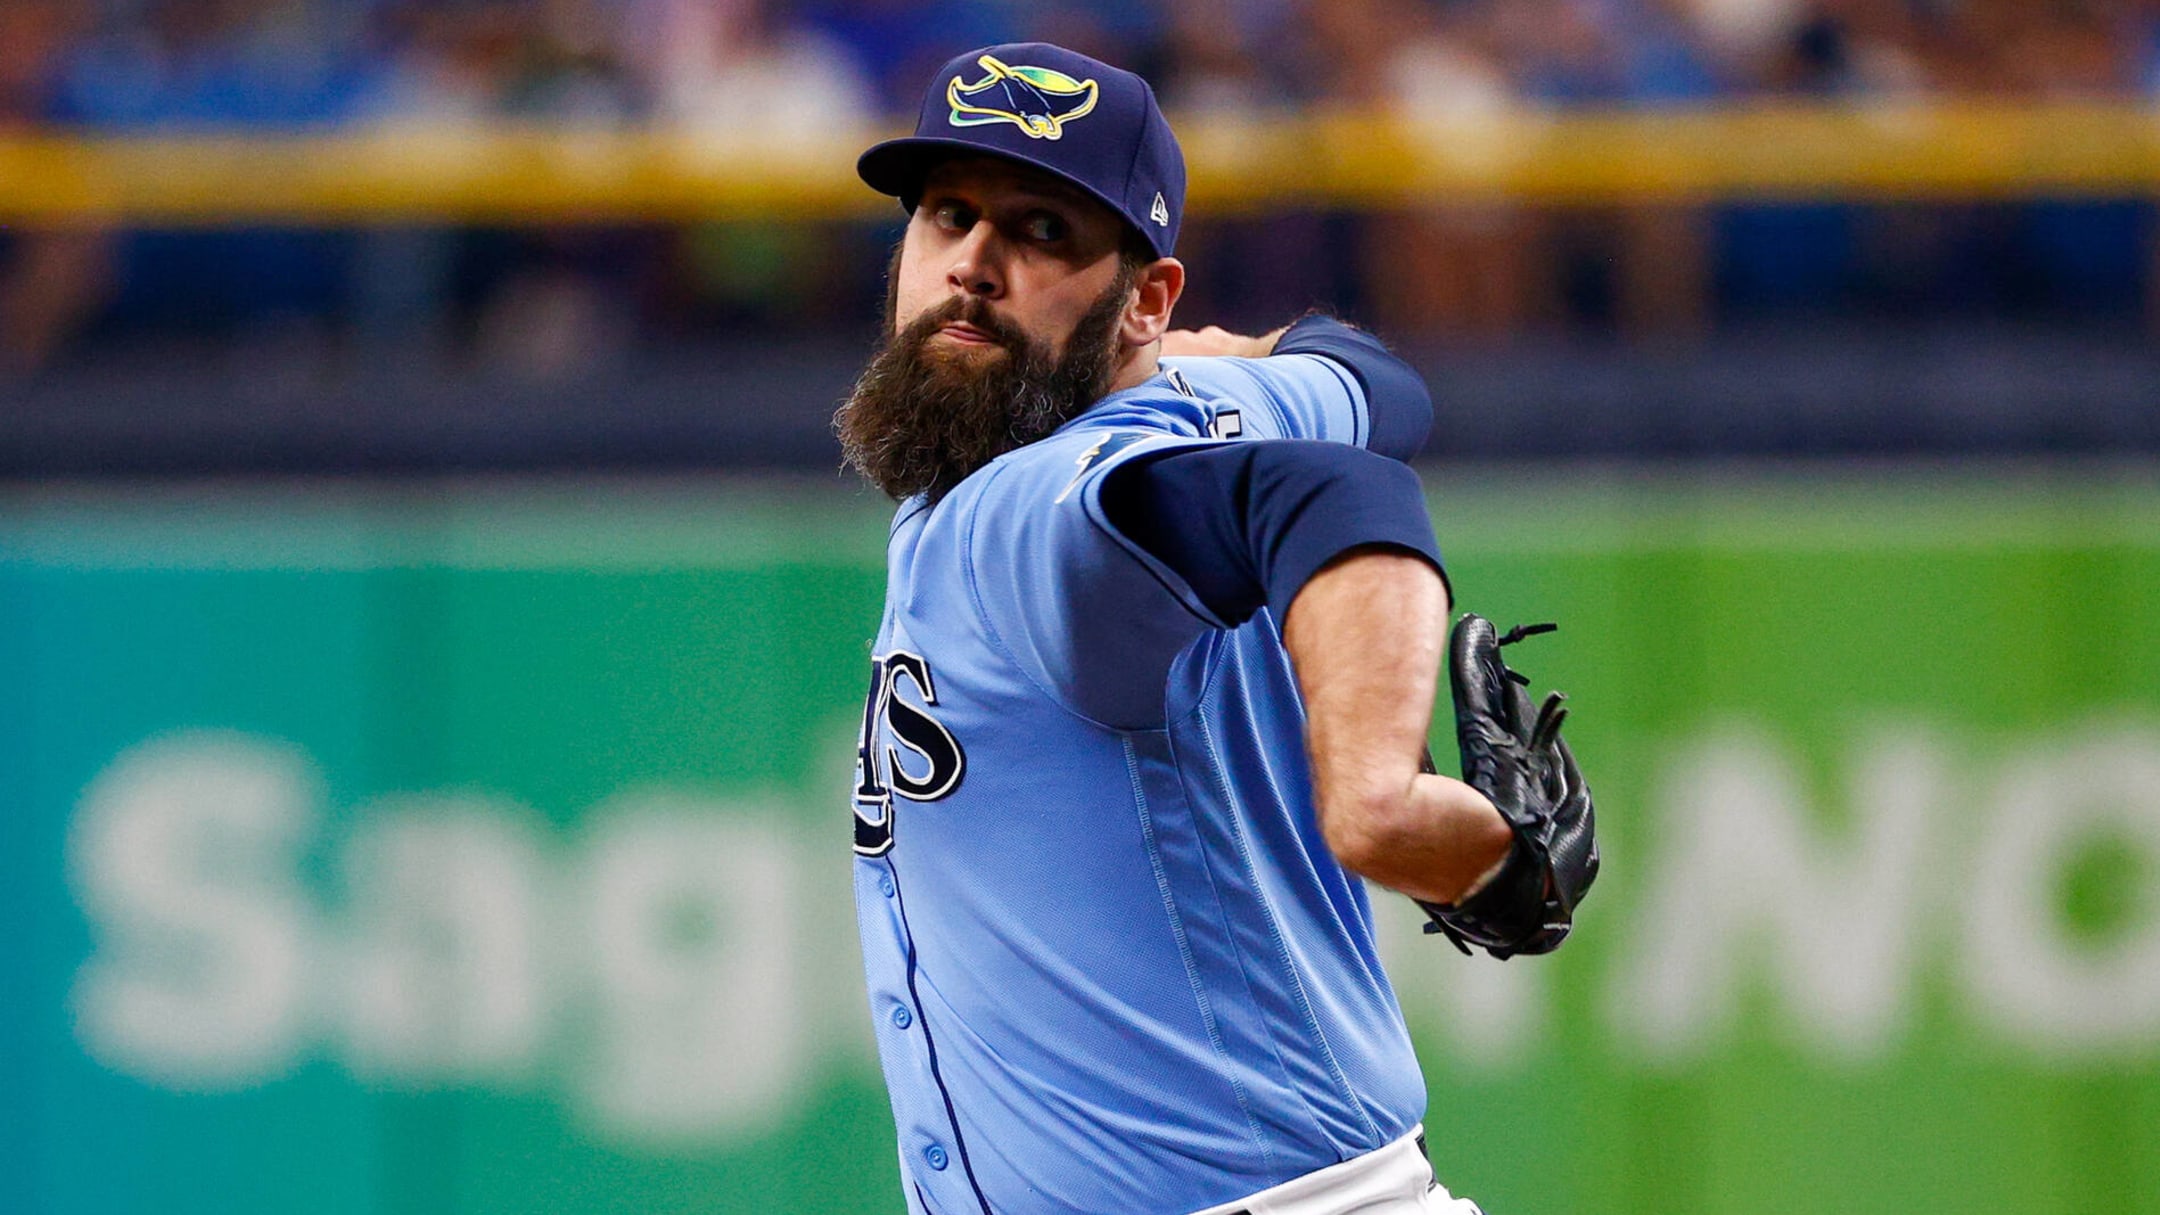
1138, 368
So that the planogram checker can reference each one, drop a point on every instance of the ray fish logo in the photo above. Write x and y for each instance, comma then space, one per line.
1037, 100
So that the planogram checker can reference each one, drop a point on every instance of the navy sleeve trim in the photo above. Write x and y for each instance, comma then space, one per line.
1246, 525
1398, 403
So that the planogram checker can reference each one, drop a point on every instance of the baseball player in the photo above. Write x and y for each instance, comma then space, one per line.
1158, 657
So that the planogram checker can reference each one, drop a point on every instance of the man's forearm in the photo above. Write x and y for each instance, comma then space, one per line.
1366, 636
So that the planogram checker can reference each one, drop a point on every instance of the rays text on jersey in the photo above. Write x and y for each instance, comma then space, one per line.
891, 718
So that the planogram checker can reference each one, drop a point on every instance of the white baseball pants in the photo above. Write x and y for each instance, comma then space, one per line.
1395, 1180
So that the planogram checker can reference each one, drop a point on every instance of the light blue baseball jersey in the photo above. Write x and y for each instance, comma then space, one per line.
1112, 965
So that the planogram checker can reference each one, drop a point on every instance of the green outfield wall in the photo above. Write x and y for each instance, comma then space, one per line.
484, 848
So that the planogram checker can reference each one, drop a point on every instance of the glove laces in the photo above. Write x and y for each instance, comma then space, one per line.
1516, 634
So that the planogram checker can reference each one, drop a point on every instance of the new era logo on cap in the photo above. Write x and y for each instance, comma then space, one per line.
1091, 124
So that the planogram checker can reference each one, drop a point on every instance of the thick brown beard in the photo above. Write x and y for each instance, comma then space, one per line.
923, 417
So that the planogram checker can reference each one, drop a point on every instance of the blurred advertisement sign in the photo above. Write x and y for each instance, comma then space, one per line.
649, 967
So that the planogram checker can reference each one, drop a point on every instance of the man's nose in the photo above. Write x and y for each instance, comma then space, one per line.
976, 268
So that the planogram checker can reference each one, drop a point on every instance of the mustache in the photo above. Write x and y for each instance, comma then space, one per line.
965, 310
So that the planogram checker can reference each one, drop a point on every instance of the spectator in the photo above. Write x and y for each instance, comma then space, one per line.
733, 67
900, 42
52, 280
1458, 270
1213, 63
735, 73
442, 64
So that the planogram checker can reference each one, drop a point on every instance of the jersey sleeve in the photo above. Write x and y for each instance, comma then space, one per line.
1398, 405
1325, 381
1282, 396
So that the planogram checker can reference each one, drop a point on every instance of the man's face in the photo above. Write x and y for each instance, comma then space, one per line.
1036, 252
1009, 306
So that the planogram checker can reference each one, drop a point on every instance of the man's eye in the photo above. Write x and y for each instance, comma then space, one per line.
949, 215
1041, 225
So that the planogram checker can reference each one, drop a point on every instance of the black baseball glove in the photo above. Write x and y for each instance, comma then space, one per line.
1515, 756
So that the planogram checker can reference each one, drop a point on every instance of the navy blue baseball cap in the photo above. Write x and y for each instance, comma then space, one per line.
1076, 118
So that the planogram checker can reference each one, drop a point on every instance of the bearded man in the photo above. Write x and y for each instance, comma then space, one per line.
1158, 658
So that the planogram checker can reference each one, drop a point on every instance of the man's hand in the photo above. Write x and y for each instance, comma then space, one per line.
1215, 340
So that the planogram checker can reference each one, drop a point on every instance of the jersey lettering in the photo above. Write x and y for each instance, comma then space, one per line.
937, 761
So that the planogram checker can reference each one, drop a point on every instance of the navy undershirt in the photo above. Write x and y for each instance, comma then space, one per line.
1247, 524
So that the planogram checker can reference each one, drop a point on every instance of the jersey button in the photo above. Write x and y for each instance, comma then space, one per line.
935, 1157
884, 884
902, 1018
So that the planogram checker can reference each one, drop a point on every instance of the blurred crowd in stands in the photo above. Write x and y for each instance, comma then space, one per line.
549, 300
163, 63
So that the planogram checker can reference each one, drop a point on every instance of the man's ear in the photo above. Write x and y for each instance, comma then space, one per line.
1155, 292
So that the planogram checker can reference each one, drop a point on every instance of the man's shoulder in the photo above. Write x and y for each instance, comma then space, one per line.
1052, 471
1151, 412
1169, 402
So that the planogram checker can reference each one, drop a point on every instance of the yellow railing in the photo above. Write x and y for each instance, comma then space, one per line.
1335, 159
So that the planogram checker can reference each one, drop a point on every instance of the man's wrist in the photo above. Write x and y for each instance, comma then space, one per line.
1480, 882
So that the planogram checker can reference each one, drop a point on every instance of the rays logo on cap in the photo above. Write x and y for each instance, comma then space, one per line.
1038, 100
